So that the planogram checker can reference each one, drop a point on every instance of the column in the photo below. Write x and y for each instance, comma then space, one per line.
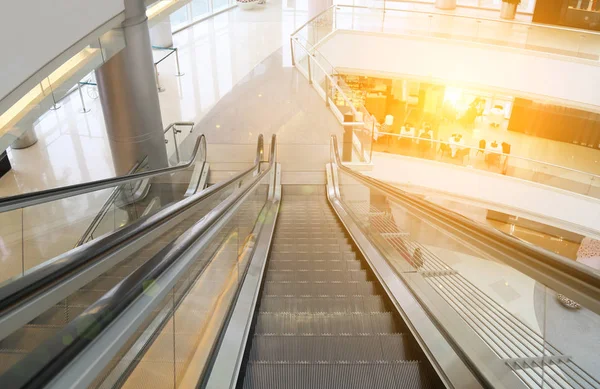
161, 34
25, 140
127, 88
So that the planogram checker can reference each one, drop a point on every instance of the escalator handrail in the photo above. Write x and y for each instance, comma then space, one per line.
579, 278
43, 196
105, 207
34, 282
50, 358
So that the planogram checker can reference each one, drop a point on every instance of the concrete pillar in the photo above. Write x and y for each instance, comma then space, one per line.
161, 34
27, 139
127, 88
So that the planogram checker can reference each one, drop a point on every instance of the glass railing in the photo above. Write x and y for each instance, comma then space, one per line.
471, 289
174, 137
174, 344
352, 115
469, 7
160, 54
490, 158
33, 234
189, 276
38, 94
563, 41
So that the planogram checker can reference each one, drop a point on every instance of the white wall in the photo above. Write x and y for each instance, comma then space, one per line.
460, 62
513, 193
33, 32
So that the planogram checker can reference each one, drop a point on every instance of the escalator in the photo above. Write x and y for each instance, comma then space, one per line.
254, 284
120, 250
323, 320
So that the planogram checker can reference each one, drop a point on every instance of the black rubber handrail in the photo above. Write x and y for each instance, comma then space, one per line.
45, 362
575, 279
17, 291
28, 199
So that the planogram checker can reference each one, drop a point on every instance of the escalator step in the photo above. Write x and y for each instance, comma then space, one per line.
333, 348
321, 240
336, 324
311, 247
315, 289
317, 275
318, 264
393, 375
311, 235
323, 304
338, 256
317, 229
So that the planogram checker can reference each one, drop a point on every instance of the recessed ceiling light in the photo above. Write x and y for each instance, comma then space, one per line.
218, 126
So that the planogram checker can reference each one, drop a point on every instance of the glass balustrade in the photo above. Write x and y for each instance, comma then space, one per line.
546, 339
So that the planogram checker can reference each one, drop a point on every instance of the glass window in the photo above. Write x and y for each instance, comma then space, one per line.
219, 4
199, 8
179, 17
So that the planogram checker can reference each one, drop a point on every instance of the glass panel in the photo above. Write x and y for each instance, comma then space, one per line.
490, 298
180, 17
157, 363
199, 8
201, 301
570, 330
399, 18
220, 4
545, 338
11, 244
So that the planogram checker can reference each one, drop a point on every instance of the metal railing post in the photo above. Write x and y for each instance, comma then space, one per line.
55, 105
179, 74
158, 86
292, 51
83, 108
309, 71
327, 90
175, 131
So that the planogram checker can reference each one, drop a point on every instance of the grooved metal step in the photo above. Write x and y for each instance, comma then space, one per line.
319, 289
314, 246
310, 235
321, 321
317, 275
323, 304
326, 324
318, 264
338, 256
335, 348
380, 375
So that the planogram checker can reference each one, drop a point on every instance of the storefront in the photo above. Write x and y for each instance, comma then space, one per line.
570, 13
